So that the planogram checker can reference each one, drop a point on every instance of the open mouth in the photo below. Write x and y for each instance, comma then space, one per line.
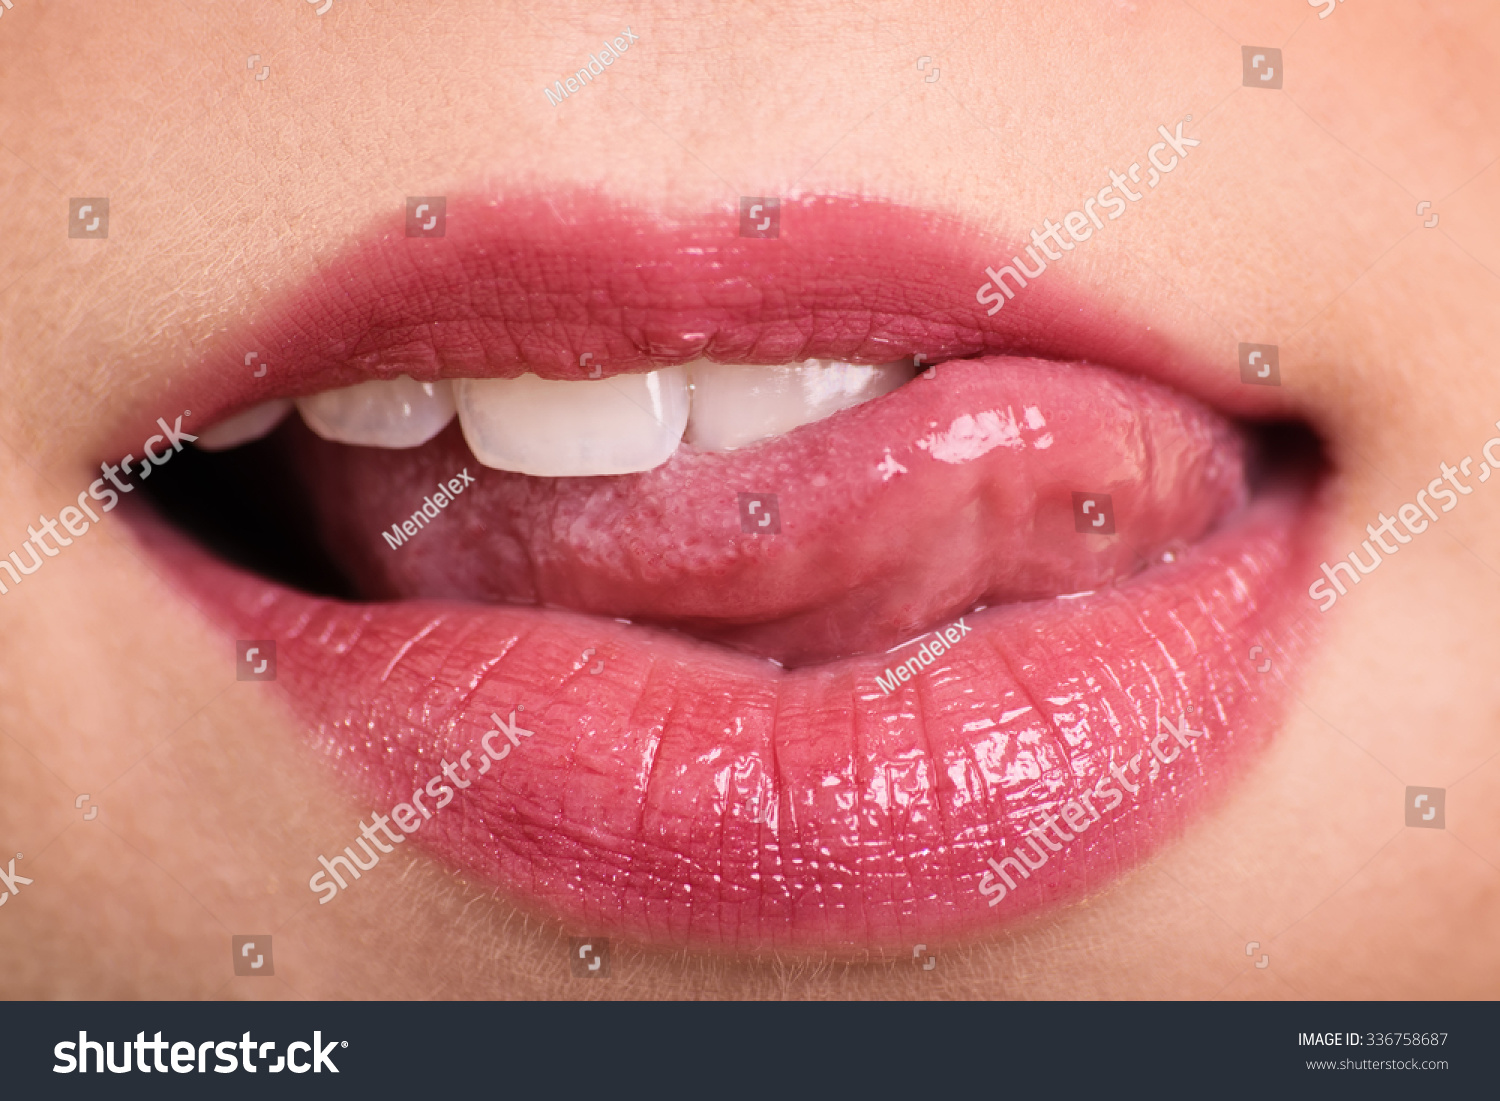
744, 593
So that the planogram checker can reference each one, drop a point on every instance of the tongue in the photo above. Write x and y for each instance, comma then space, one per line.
867, 528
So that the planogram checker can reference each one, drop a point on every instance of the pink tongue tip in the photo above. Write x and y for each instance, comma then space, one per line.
998, 480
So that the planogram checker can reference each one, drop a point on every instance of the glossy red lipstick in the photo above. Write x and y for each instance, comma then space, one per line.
690, 794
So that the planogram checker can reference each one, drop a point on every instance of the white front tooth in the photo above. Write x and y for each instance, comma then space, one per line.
394, 414
736, 405
252, 424
551, 428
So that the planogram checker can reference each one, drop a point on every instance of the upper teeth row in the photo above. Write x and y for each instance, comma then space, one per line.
554, 429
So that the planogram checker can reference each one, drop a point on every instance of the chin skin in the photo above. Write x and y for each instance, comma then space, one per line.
211, 811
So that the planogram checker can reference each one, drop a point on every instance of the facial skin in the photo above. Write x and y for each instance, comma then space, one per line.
1291, 224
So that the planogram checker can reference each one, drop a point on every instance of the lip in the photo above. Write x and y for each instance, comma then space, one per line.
688, 795
534, 283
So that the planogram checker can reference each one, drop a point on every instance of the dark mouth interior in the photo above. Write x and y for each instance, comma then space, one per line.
1283, 451
248, 505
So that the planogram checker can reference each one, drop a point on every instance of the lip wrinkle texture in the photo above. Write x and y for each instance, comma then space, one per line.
575, 830
691, 793
528, 284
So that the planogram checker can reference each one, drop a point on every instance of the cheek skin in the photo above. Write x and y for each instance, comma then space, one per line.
110, 684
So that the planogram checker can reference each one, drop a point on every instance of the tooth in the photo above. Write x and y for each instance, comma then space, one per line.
394, 414
252, 424
550, 428
736, 405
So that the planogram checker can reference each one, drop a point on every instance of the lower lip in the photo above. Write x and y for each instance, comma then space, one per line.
684, 795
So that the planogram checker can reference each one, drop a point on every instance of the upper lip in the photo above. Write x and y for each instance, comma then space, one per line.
642, 804
536, 283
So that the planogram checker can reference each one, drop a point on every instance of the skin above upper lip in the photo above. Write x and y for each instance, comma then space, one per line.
689, 795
